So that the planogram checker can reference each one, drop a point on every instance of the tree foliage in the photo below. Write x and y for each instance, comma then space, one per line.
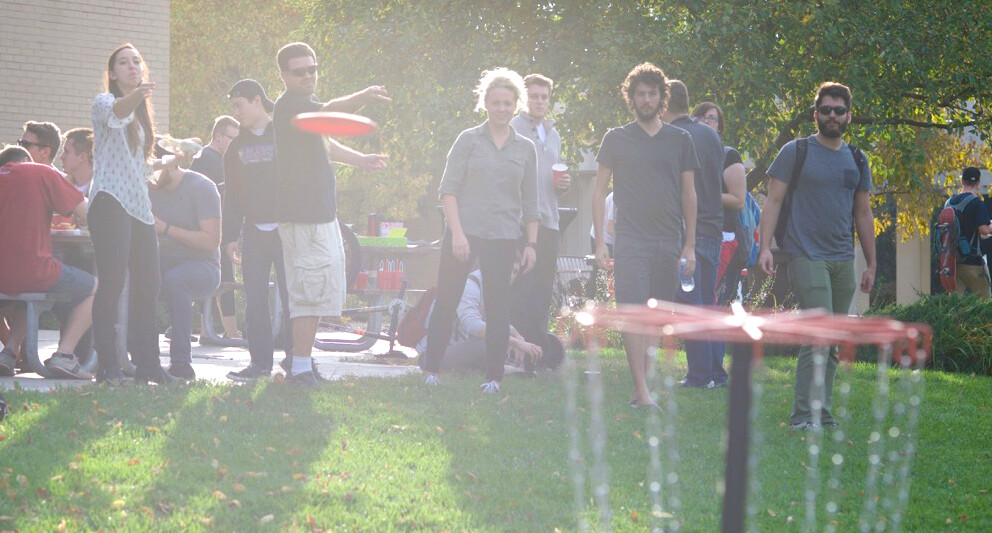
921, 101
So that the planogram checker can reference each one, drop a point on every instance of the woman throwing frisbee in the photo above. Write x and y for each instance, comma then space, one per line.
120, 216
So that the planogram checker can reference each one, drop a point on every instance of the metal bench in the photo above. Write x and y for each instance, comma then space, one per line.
37, 303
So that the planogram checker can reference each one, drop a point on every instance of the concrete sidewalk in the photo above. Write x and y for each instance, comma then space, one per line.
214, 362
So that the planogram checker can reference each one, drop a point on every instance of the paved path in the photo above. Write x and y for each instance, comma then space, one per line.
214, 362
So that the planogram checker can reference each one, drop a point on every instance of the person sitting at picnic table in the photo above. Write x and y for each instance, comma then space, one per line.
186, 206
29, 194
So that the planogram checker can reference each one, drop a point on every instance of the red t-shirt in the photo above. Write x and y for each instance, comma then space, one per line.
29, 193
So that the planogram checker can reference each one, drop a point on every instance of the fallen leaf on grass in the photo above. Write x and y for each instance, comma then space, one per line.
299, 477
220, 496
152, 429
237, 487
117, 505
633, 515
133, 462
266, 519
294, 451
42, 493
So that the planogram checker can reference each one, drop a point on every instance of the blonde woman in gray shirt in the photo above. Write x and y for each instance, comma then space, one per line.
489, 186
120, 218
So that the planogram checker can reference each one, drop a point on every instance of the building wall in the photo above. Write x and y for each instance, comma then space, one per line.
53, 55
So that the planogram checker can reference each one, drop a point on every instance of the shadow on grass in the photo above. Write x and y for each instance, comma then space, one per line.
66, 429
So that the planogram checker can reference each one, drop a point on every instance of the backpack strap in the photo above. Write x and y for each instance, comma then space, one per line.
802, 147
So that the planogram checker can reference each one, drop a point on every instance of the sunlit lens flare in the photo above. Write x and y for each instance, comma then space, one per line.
749, 323
585, 318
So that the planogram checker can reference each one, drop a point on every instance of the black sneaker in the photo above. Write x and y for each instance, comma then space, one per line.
112, 377
304, 379
156, 375
182, 371
693, 385
249, 374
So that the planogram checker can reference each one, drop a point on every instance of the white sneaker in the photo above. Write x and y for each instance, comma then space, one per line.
432, 380
490, 387
65, 365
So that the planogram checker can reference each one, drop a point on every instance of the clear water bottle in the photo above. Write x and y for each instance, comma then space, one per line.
685, 279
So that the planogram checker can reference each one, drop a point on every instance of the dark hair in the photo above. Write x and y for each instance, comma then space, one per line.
48, 134
704, 107
12, 153
648, 74
292, 51
539, 80
144, 113
678, 97
223, 121
81, 140
834, 89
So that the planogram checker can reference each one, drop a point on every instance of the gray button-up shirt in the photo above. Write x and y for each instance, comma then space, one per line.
496, 188
548, 154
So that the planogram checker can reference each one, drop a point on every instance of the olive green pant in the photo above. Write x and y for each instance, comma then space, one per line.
818, 284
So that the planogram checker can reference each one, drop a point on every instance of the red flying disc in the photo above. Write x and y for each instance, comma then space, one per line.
334, 124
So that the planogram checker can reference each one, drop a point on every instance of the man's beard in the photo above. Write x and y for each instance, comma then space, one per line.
823, 126
641, 117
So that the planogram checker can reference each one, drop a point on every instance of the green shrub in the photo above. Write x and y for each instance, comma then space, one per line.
962, 330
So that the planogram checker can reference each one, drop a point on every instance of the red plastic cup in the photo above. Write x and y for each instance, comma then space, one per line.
558, 172
362, 280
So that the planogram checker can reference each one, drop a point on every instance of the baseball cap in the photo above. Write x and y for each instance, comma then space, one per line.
971, 175
249, 89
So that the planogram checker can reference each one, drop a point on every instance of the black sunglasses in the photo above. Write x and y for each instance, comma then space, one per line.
28, 144
302, 71
838, 110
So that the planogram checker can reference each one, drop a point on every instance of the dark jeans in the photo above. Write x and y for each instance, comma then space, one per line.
531, 292
496, 258
123, 244
227, 276
183, 282
705, 358
262, 250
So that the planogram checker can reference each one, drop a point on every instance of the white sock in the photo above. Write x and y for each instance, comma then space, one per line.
301, 364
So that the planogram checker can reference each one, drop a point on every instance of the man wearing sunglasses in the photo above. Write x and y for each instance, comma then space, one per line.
42, 140
308, 227
829, 192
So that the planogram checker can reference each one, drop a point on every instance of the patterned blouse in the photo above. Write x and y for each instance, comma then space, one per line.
117, 170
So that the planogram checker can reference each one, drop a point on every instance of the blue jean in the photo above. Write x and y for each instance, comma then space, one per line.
183, 282
261, 251
705, 358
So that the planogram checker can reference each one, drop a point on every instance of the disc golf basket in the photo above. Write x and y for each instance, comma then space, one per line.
891, 439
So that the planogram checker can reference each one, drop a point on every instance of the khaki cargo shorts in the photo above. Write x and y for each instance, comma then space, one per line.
315, 268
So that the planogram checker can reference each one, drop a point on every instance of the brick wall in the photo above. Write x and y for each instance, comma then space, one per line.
53, 55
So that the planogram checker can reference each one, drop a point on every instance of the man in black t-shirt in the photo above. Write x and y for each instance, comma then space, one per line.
972, 272
652, 165
308, 225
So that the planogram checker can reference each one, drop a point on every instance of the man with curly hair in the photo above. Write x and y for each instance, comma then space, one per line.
652, 165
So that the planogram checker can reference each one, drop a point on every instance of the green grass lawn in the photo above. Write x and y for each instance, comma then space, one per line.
382, 455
